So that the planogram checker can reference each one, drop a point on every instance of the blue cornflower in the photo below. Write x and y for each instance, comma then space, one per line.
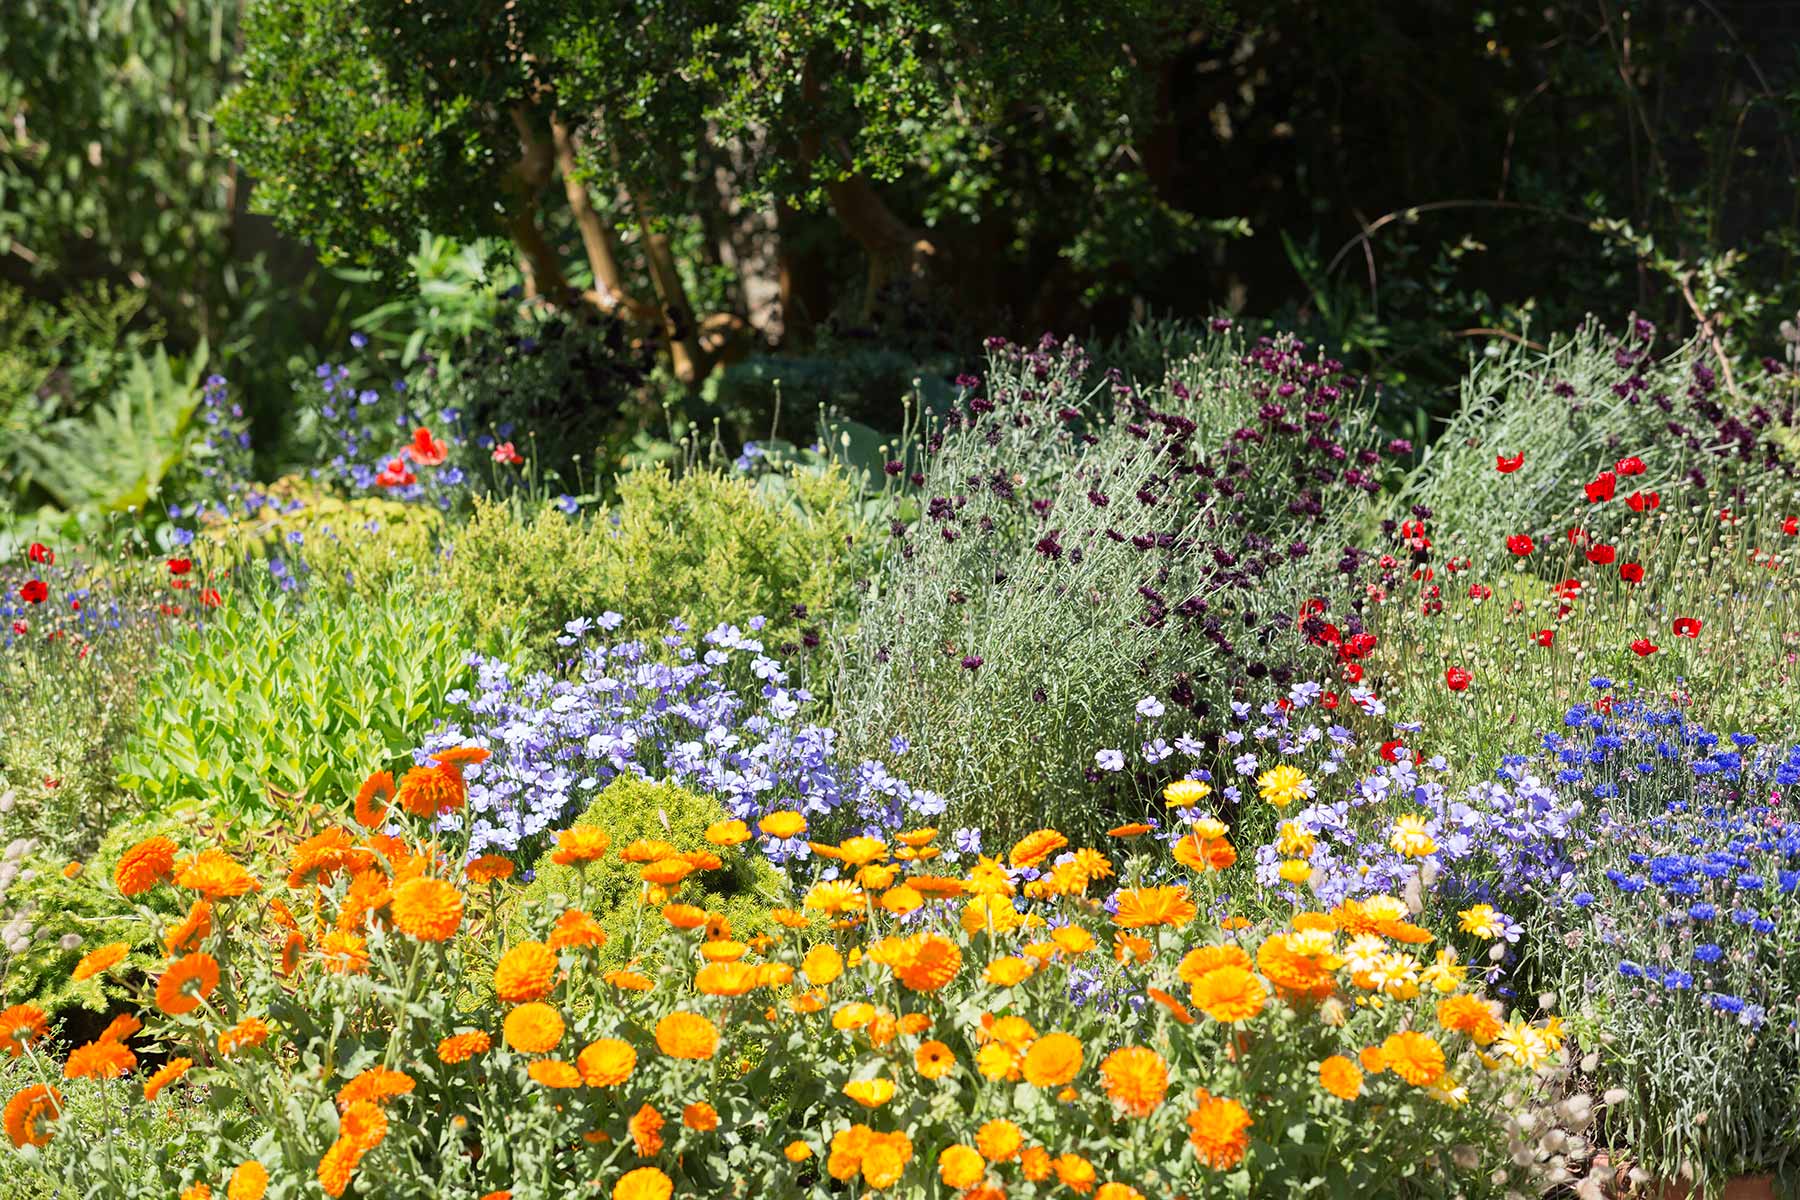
1709, 952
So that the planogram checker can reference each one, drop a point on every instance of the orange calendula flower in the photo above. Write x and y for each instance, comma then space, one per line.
1218, 1129
215, 875
666, 873
1199, 961
1204, 854
1053, 1060
345, 953
1470, 1015
999, 1141
28, 1115
427, 909
960, 1166
197, 1191
834, 897
144, 866
870, 1093
525, 972
1136, 1079
120, 1028
195, 928
628, 981
1149, 906
533, 1028
684, 916
687, 1035
251, 1031
104, 1059
248, 1182
1136, 829
462, 756
554, 1073
645, 1128
924, 962
700, 1117
1229, 994
168, 1073
606, 1063
728, 833
822, 965
1414, 1057
1341, 1077
291, 950
375, 1085
188, 980
783, 825
373, 798
429, 792
647, 850
581, 844
1034, 848
1176, 1008
1075, 1173
575, 929
644, 1183
461, 1047
934, 1060
22, 1026
319, 858
100, 960
489, 868
1131, 946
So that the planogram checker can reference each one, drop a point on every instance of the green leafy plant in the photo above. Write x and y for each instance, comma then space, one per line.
277, 701
705, 546
742, 891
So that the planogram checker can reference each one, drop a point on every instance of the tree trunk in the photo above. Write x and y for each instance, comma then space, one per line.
801, 275
596, 239
538, 262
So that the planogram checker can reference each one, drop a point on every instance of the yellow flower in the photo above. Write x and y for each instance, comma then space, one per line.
1185, 793
1283, 785
821, 965
1295, 870
727, 833
991, 912
1294, 841
783, 825
1053, 1060
999, 1140
1411, 837
1444, 974
960, 1167
796, 1151
1482, 921
870, 1093
934, 1060
1523, 1045
1009, 971
834, 897
1414, 1057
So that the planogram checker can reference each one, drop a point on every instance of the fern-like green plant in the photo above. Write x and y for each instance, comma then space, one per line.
117, 456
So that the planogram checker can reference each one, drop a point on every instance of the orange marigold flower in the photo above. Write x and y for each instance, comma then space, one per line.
188, 980
647, 850
554, 1073
822, 965
684, 916
1034, 848
1053, 1060
375, 1085
461, 1047
29, 1113
700, 1117
580, 844
924, 962
373, 798
1414, 1057
606, 1063
363, 1124
194, 928
783, 825
1136, 1079
1199, 961
120, 1028
687, 1035
934, 1060
870, 1093
291, 949
727, 833
20, 1026
1118, 1191
628, 981
1036, 1164
104, 1059
644, 1183
645, 1128
1204, 854
1471, 1015
1339, 1076
489, 868
1229, 994
100, 960
144, 866
168, 1073
197, 1191
345, 953
666, 873
960, 1166
533, 1028
526, 972
251, 1031
426, 908
462, 756
248, 1182
1075, 1173
703, 860
1294, 975
1148, 906
215, 875
319, 858
1219, 1128
338, 1167
999, 1140
429, 792
575, 929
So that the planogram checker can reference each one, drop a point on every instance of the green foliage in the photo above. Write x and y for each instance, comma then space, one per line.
48, 921
705, 546
358, 546
276, 702
628, 809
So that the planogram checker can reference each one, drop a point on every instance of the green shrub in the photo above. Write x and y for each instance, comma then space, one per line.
276, 700
704, 546
49, 920
628, 809
345, 546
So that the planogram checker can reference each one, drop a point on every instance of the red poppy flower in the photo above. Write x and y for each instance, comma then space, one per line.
21, 628
1687, 627
1577, 536
1353, 672
180, 566
1520, 544
169, 610
1602, 555
210, 597
424, 449
1457, 679
34, 591
504, 453
1602, 488
1630, 466
1425, 573
1631, 572
395, 474
1358, 645
1604, 704
1329, 700
1506, 466
1389, 750
1791, 526
1544, 637
1480, 591
37, 552
1644, 647
1568, 588
1643, 501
